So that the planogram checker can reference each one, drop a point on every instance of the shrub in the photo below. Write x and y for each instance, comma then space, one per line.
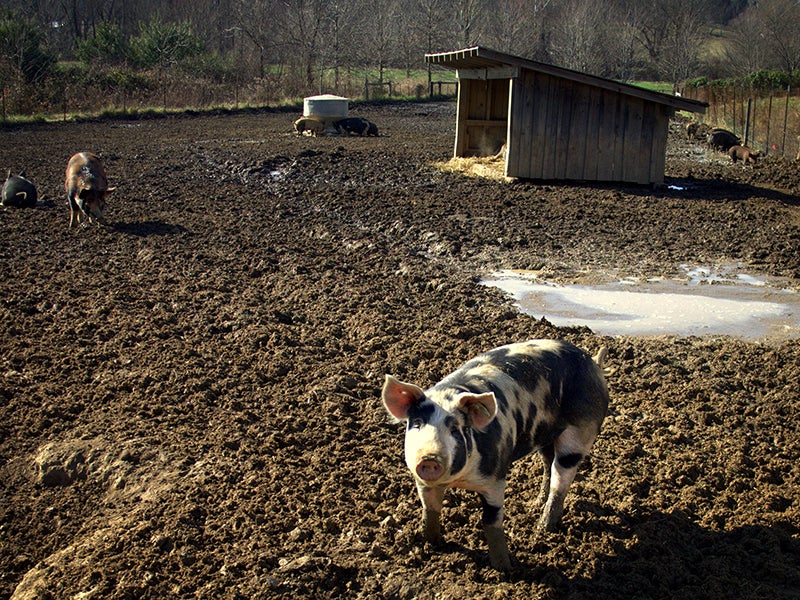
21, 48
107, 46
164, 44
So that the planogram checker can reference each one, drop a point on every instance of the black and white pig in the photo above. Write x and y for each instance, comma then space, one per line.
19, 192
356, 126
541, 395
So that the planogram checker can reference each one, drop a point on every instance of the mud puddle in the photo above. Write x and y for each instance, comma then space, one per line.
706, 301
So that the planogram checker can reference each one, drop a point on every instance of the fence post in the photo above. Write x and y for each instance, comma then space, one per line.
785, 119
747, 122
769, 120
713, 99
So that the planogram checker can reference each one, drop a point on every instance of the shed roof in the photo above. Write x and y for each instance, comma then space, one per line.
477, 58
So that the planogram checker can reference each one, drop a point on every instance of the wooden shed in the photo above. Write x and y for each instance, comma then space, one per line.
559, 124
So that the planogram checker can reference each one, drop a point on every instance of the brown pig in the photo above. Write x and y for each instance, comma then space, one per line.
743, 153
86, 186
310, 126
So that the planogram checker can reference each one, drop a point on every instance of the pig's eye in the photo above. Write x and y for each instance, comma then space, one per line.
415, 424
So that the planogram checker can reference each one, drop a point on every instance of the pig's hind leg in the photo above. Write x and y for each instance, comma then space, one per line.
561, 463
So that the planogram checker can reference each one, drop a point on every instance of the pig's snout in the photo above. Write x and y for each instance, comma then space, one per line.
430, 469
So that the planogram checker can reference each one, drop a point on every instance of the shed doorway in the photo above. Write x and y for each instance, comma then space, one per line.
482, 114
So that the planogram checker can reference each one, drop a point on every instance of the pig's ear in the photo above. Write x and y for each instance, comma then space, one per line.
480, 408
398, 397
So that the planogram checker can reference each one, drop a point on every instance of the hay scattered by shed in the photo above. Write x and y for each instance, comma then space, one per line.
491, 167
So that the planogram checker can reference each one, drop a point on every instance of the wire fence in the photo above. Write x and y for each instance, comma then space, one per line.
766, 120
168, 90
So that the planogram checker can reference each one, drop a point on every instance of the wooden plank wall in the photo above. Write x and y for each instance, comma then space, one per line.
482, 116
562, 129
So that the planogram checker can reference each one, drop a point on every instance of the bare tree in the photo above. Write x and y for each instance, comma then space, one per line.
467, 17
672, 33
254, 19
578, 38
298, 30
622, 50
428, 28
516, 26
780, 23
746, 49
379, 33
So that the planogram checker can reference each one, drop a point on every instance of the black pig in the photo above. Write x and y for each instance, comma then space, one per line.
722, 139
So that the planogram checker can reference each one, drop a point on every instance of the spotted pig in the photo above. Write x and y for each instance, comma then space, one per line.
356, 126
546, 396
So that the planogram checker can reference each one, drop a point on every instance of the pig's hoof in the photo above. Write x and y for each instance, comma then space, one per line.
437, 542
548, 525
502, 564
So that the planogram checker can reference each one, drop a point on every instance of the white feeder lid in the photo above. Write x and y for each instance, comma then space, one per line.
325, 105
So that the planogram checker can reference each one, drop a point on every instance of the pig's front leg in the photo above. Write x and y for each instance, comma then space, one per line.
492, 520
432, 498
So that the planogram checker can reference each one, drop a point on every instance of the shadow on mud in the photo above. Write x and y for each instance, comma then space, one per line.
661, 555
712, 189
687, 188
148, 228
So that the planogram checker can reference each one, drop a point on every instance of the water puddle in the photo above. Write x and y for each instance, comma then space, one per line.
706, 301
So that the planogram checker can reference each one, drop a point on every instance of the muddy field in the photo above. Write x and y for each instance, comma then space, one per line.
190, 395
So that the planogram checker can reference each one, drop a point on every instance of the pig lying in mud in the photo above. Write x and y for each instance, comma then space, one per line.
87, 187
541, 395
747, 155
19, 192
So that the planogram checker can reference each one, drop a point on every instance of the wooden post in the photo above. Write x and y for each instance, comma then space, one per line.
714, 103
769, 120
747, 122
785, 119
724, 110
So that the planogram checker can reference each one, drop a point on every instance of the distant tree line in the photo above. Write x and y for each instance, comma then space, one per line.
50, 44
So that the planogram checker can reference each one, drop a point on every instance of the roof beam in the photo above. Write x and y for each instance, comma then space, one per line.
488, 73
